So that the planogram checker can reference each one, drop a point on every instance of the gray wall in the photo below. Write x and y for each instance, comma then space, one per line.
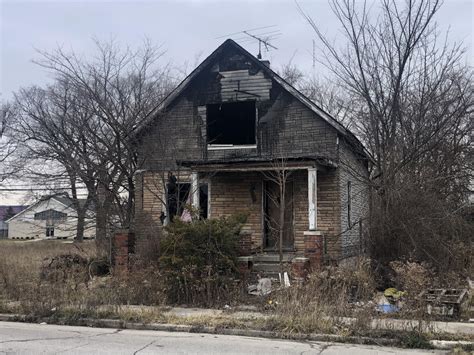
352, 168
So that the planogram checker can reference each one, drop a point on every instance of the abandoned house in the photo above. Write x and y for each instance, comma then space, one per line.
219, 139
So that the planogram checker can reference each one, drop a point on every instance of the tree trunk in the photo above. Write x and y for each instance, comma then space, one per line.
101, 230
282, 222
81, 217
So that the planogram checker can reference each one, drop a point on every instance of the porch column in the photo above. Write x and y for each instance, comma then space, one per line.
312, 198
195, 190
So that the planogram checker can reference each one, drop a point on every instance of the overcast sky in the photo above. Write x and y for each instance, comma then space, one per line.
187, 30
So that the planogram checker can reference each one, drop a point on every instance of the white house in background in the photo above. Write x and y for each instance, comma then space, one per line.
52, 217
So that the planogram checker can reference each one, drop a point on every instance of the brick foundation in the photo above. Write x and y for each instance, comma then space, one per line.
314, 249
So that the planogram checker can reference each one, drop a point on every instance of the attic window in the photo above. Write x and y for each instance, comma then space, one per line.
231, 124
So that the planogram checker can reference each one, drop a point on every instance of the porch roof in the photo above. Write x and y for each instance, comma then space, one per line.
258, 164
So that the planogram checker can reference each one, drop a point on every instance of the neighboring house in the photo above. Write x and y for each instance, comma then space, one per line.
52, 217
6, 212
215, 140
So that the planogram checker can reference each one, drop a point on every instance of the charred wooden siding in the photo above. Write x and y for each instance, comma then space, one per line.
284, 126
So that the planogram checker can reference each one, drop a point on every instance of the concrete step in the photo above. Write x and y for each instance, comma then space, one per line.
267, 267
272, 258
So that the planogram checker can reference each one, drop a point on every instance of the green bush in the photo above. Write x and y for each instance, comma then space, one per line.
198, 260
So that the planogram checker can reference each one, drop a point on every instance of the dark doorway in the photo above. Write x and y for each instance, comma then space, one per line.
178, 197
203, 200
231, 123
272, 203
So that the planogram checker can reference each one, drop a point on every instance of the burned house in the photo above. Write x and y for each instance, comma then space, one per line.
219, 138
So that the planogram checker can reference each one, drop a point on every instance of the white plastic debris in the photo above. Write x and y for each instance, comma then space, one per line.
263, 288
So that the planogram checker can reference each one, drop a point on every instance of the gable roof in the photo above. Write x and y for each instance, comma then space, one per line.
16, 209
266, 69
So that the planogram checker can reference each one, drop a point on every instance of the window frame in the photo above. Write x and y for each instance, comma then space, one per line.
349, 203
221, 146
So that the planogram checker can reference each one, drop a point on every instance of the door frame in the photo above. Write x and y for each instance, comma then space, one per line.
264, 219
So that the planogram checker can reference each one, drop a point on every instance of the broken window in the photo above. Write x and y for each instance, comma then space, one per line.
231, 123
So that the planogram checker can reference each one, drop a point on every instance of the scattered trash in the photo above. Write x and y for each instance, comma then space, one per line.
445, 302
387, 308
393, 294
390, 301
43, 323
263, 288
226, 306
286, 279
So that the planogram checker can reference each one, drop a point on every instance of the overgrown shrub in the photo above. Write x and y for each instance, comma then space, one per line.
198, 259
412, 277
424, 227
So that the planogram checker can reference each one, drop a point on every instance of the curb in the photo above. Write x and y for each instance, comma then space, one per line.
121, 324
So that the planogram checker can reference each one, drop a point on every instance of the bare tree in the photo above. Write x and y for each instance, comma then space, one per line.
8, 145
90, 114
411, 99
291, 73
279, 175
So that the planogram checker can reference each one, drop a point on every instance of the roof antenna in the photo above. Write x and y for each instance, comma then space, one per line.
261, 34
260, 41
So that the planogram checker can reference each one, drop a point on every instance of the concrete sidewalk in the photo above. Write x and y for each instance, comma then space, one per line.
38, 338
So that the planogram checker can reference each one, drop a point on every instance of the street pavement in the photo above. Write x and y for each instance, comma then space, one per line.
25, 338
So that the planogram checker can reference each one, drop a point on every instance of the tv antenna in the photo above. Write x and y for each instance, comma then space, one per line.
263, 35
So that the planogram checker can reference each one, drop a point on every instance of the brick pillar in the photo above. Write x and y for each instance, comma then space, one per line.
123, 246
244, 264
314, 249
245, 244
300, 269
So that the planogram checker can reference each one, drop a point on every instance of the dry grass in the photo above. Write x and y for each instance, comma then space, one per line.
30, 284
20, 263
321, 305
329, 295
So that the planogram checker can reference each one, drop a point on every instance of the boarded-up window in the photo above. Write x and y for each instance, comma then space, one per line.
231, 123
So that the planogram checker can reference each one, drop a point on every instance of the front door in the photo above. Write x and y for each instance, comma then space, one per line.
272, 205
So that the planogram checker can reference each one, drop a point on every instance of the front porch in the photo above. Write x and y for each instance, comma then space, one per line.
311, 213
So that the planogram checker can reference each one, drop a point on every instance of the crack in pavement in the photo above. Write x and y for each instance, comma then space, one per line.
312, 346
144, 347
324, 347
105, 333
60, 338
